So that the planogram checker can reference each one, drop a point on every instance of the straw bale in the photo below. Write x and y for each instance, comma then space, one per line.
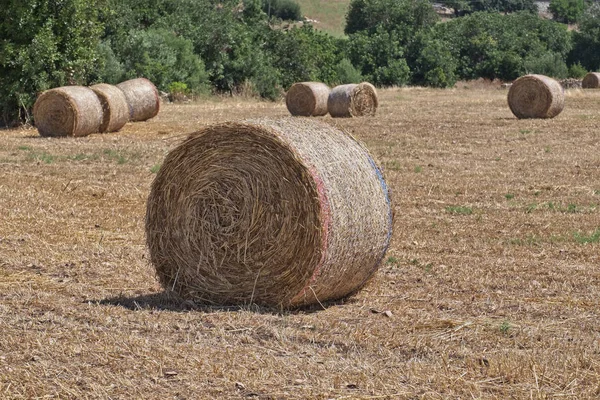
591, 80
142, 97
281, 213
68, 111
536, 96
114, 107
353, 100
308, 99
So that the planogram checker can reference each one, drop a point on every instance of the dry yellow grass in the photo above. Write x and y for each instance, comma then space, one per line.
489, 290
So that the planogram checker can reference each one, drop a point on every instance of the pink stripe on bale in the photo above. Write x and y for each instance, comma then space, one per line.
326, 226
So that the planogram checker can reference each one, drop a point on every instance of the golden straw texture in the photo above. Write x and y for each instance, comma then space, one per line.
68, 111
142, 97
280, 213
114, 107
536, 96
353, 100
591, 81
308, 99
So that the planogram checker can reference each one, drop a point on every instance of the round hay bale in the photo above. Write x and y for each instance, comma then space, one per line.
307, 99
353, 100
142, 97
67, 111
536, 96
114, 107
591, 80
281, 213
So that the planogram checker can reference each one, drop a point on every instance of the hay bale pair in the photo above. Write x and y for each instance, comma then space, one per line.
536, 96
310, 99
80, 111
281, 213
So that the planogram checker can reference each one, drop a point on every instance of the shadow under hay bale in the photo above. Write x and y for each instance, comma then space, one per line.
68, 111
114, 107
142, 97
536, 96
280, 213
591, 81
307, 99
353, 100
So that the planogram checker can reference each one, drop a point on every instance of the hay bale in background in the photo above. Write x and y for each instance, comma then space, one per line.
308, 99
591, 80
142, 97
353, 100
68, 111
114, 107
536, 96
275, 212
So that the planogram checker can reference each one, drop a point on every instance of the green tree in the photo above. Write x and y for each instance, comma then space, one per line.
304, 54
379, 56
567, 11
44, 44
586, 41
405, 17
493, 45
162, 57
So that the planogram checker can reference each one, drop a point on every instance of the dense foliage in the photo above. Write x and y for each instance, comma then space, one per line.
43, 44
233, 46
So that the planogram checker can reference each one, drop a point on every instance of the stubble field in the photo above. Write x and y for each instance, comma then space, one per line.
491, 287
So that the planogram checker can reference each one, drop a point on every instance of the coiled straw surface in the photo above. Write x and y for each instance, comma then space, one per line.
114, 107
308, 99
591, 81
142, 97
280, 213
67, 111
353, 100
536, 96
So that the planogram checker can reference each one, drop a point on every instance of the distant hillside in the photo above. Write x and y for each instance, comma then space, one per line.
330, 15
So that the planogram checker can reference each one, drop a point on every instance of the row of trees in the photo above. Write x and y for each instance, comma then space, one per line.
230, 46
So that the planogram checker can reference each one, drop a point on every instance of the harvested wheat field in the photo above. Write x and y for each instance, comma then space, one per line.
490, 288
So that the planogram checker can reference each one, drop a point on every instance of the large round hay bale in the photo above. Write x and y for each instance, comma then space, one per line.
307, 99
114, 107
353, 100
67, 111
591, 81
536, 96
142, 97
279, 213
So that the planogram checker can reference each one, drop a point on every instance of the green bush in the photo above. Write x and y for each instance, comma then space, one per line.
43, 44
567, 11
586, 41
379, 57
346, 73
492, 45
303, 54
431, 62
406, 17
164, 58
550, 64
109, 69
287, 10
577, 71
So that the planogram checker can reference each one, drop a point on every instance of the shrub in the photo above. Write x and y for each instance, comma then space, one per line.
567, 11
549, 64
163, 58
577, 71
43, 45
346, 73
282, 9
379, 57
